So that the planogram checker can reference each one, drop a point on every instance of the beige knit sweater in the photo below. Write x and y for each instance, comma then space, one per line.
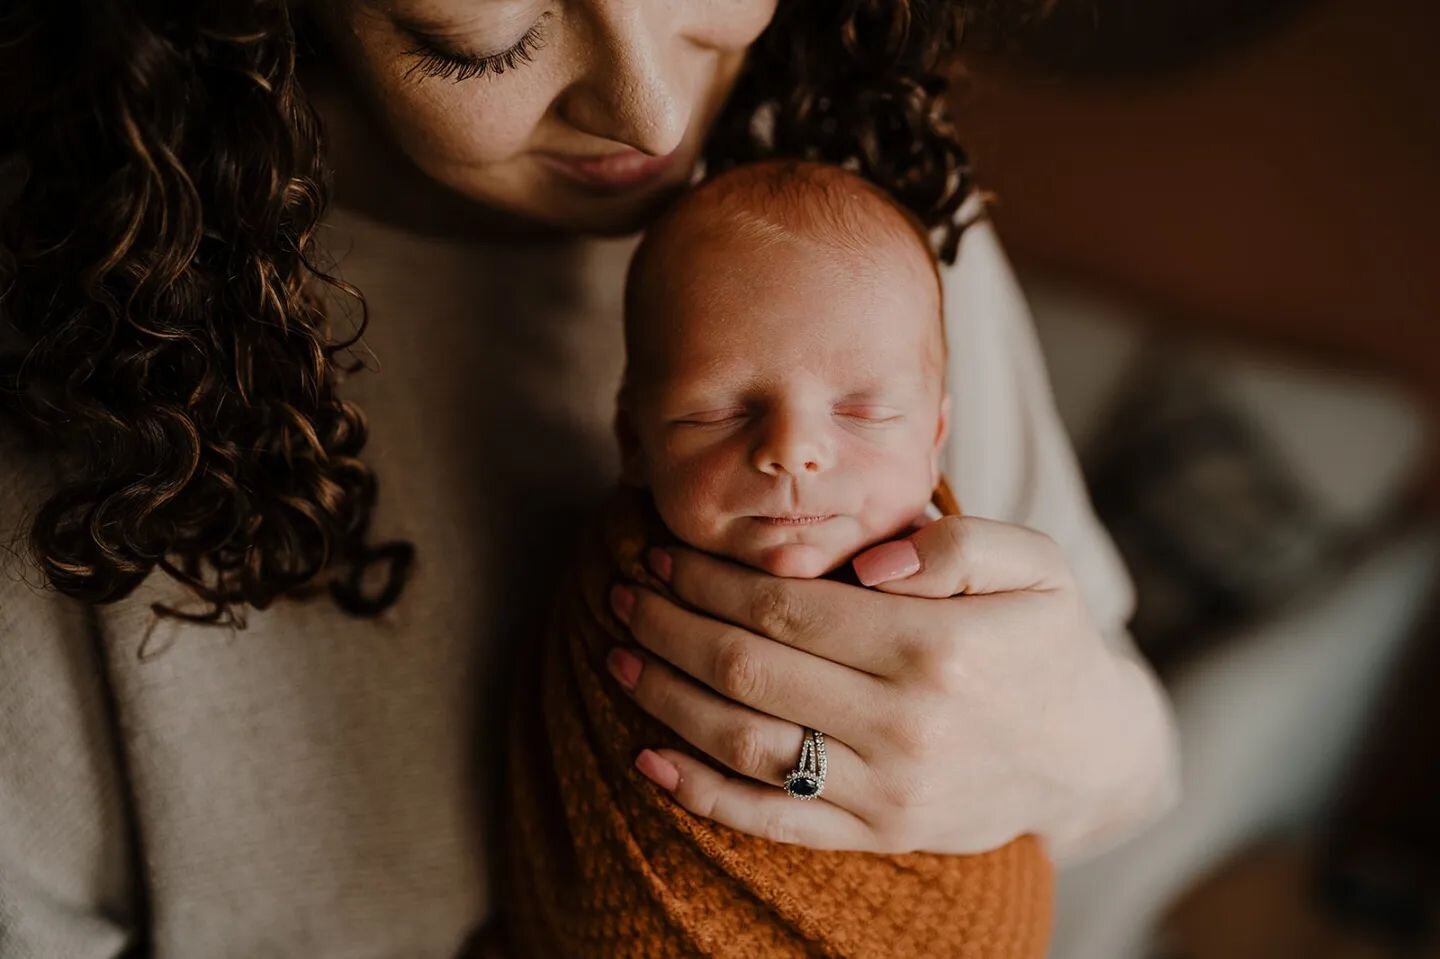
321, 787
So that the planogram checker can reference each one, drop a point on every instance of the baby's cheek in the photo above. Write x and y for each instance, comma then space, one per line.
900, 489
689, 497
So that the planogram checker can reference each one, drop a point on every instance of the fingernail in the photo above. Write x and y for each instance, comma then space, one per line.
889, 561
622, 600
662, 564
658, 769
625, 666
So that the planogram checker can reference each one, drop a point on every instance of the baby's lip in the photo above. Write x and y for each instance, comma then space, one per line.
794, 519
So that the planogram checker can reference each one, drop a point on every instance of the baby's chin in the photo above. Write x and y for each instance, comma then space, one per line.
795, 560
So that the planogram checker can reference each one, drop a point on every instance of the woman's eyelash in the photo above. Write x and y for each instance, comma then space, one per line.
433, 60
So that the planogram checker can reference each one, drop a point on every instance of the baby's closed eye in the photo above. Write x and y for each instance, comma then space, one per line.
869, 414
717, 417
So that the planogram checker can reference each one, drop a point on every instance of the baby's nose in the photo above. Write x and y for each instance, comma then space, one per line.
781, 465
788, 448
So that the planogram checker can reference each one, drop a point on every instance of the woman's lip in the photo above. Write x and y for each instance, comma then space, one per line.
610, 172
795, 519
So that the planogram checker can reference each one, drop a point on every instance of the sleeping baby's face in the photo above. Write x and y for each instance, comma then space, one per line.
785, 400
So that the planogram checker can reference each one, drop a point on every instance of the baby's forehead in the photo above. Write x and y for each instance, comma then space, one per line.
802, 222
853, 327
769, 202
813, 224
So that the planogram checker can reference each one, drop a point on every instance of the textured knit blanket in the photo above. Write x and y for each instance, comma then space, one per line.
600, 862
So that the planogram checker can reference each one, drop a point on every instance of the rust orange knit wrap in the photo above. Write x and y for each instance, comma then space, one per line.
599, 862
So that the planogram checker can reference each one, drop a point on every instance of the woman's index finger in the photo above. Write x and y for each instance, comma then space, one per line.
844, 624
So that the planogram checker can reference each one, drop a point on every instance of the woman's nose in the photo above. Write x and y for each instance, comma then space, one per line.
638, 87
789, 445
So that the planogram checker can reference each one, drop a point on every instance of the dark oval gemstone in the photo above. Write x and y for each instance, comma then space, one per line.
804, 786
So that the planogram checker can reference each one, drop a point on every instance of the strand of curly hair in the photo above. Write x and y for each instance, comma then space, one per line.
176, 353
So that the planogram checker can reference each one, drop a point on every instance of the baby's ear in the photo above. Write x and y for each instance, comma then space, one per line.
942, 433
632, 457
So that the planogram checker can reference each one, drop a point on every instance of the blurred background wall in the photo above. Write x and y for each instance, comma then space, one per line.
1225, 215
1264, 168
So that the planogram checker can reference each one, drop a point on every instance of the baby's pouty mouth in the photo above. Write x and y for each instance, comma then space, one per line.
794, 519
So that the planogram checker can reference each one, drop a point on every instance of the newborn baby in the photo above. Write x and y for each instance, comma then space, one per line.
783, 406
784, 399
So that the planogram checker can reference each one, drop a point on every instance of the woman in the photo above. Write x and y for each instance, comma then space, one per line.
186, 450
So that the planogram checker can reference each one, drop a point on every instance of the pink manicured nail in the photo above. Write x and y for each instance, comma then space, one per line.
662, 563
658, 769
622, 600
887, 562
625, 666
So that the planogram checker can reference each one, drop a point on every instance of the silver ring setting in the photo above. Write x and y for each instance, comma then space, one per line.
807, 779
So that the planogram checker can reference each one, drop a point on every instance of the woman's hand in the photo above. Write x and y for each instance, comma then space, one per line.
966, 699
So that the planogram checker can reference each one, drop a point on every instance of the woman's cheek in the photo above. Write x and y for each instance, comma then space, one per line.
460, 124
483, 120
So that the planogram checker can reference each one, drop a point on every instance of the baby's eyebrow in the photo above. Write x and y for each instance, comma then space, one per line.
692, 397
867, 394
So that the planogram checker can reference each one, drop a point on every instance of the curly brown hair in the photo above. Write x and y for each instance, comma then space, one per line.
176, 352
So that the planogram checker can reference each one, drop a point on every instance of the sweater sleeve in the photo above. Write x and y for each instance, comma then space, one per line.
67, 886
1008, 456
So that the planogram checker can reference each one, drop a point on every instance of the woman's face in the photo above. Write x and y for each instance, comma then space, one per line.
576, 113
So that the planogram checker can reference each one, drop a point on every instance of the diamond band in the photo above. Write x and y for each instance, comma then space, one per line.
807, 779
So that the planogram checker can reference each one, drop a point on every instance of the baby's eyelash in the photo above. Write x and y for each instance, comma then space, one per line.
433, 60
712, 418
870, 414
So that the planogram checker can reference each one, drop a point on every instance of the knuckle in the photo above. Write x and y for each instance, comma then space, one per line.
949, 671
958, 546
658, 694
956, 533
908, 791
737, 672
773, 610
779, 826
699, 800
642, 614
938, 663
953, 528
913, 734
744, 749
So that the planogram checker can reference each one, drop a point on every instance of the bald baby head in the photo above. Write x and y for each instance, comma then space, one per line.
821, 217
784, 395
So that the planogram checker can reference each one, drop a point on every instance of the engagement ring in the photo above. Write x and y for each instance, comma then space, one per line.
807, 779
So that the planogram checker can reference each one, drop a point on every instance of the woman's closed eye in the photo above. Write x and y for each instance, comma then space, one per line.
435, 58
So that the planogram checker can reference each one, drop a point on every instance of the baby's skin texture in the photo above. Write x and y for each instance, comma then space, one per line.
784, 399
